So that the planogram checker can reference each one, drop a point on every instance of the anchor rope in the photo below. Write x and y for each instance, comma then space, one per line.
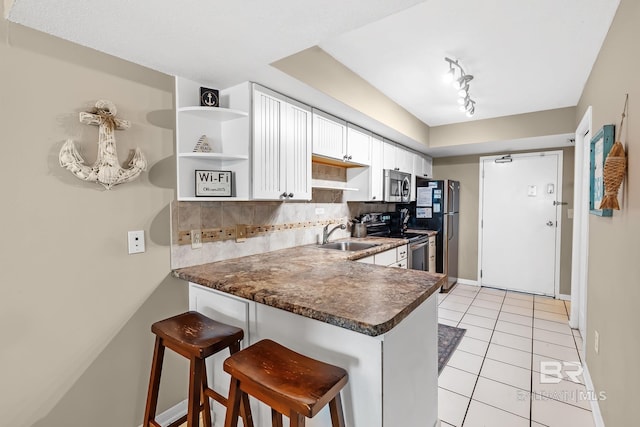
106, 116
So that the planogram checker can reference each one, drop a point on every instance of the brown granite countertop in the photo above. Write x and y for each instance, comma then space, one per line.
427, 232
323, 284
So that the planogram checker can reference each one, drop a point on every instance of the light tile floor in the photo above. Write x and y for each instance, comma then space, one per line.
493, 378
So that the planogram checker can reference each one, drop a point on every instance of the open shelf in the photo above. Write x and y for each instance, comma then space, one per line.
216, 113
324, 184
213, 199
214, 156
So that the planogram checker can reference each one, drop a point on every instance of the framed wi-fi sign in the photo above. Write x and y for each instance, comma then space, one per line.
213, 183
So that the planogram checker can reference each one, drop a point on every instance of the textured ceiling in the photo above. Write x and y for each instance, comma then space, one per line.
526, 55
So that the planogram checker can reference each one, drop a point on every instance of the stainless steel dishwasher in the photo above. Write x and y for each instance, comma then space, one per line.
419, 253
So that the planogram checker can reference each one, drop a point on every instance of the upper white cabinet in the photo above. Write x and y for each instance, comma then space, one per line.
368, 180
422, 166
334, 139
329, 136
281, 153
358, 145
397, 157
226, 130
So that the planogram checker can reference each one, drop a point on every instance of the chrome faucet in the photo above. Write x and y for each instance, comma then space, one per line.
326, 233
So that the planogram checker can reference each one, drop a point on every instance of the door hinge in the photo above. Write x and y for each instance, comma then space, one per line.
482, 223
481, 274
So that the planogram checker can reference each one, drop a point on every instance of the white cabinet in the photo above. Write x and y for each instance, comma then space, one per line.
358, 145
396, 257
422, 166
368, 180
376, 171
281, 147
335, 139
226, 130
329, 136
432, 254
397, 157
383, 370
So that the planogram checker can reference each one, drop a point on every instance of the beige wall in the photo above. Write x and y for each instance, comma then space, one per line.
614, 270
520, 126
75, 309
466, 169
320, 70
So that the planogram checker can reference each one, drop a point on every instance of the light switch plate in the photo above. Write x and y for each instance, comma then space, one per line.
136, 241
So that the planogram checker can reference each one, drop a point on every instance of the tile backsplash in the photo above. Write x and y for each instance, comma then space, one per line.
289, 223
187, 216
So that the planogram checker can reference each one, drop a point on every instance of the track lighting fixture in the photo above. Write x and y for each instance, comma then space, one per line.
460, 81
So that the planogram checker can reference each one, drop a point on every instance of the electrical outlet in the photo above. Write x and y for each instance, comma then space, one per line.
196, 239
319, 211
596, 343
241, 233
136, 241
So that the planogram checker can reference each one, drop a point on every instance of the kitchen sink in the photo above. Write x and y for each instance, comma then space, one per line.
348, 246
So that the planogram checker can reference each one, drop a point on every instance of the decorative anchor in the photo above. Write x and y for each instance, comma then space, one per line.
106, 170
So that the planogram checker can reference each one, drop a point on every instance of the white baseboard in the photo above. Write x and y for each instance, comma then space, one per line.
595, 406
468, 282
172, 414
564, 297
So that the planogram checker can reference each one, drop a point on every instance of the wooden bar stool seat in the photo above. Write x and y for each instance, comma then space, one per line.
290, 383
195, 337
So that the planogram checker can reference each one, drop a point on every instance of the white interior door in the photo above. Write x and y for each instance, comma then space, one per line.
519, 224
580, 242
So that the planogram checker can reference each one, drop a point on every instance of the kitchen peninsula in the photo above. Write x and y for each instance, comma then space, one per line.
379, 323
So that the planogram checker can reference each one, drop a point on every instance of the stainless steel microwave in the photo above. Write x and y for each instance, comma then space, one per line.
397, 186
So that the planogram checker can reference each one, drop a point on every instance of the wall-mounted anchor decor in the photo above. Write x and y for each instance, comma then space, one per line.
106, 170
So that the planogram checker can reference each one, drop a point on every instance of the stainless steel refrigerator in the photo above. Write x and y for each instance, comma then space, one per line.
437, 207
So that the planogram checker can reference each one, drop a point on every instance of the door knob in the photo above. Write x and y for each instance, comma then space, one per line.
550, 223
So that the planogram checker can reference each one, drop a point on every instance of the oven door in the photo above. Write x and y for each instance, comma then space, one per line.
419, 256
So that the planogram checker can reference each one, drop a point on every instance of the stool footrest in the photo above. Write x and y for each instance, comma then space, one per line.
215, 396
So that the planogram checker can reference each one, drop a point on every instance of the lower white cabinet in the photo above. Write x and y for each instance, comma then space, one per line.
393, 378
281, 148
396, 257
432, 254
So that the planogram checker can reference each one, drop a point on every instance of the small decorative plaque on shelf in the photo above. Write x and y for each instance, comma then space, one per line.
213, 183
202, 146
209, 97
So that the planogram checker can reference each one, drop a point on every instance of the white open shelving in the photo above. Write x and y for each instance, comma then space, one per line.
227, 131
324, 184
220, 114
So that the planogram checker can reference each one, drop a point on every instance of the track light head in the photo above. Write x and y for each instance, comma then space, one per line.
461, 84
449, 76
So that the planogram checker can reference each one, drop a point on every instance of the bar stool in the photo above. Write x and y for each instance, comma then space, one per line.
288, 382
195, 337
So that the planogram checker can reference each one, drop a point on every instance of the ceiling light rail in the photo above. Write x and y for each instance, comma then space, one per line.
460, 80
